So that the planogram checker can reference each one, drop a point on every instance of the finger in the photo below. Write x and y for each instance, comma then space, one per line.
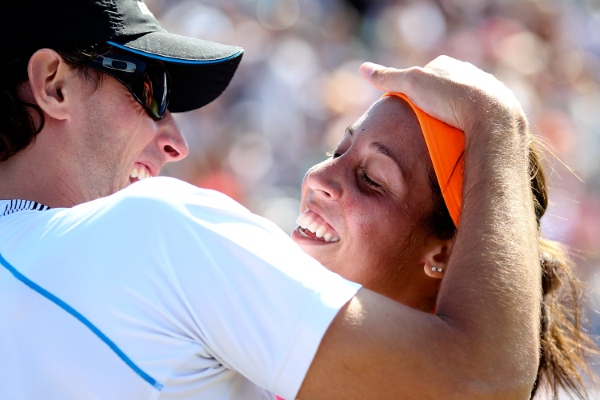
415, 82
383, 78
420, 85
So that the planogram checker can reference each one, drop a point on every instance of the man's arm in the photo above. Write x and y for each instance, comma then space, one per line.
483, 341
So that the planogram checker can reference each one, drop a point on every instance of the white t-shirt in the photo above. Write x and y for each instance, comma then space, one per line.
160, 291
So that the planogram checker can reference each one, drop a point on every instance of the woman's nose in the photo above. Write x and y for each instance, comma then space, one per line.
324, 180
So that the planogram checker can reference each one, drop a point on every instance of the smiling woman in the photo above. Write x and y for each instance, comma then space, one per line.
374, 195
381, 213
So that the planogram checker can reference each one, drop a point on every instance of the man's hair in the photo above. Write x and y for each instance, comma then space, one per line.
21, 121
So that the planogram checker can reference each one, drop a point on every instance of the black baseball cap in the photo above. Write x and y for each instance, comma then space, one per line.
200, 70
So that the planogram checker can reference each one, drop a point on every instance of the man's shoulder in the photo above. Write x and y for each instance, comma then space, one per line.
164, 203
157, 211
146, 206
161, 198
171, 192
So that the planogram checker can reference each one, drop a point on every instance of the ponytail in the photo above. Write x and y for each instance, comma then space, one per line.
564, 344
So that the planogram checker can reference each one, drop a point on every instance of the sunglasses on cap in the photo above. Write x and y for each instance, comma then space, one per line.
149, 83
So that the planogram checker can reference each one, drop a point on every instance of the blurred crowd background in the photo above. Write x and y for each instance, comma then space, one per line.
298, 88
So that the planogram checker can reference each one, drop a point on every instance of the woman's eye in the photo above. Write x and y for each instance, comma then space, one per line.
369, 181
333, 154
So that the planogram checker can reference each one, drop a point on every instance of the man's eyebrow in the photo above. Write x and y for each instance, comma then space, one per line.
350, 130
383, 149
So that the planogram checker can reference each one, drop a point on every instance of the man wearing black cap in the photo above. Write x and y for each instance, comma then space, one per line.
161, 290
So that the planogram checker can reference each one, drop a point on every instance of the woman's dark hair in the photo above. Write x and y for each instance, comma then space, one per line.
21, 121
564, 344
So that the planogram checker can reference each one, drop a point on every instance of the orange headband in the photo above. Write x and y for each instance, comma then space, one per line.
446, 146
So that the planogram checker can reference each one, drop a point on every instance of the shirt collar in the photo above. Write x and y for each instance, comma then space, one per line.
8, 207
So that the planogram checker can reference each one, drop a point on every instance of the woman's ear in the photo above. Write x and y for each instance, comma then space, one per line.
48, 77
436, 259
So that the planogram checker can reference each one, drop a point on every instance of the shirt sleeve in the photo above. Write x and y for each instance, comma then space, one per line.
258, 302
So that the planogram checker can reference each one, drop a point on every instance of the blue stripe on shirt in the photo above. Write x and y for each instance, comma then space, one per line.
81, 319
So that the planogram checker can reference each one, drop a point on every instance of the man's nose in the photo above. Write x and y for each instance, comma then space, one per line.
171, 140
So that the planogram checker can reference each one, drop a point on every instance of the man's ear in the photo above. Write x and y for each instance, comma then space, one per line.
436, 259
48, 79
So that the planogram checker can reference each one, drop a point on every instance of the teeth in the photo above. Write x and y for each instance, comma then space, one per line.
139, 173
320, 232
306, 222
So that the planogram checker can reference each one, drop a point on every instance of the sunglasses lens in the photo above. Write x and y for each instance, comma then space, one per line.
148, 82
155, 90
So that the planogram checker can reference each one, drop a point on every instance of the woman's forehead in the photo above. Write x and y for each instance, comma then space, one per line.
393, 120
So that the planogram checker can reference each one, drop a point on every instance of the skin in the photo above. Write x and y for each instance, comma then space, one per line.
375, 200
92, 139
483, 340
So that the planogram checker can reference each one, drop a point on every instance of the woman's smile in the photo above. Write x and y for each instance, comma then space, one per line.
312, 225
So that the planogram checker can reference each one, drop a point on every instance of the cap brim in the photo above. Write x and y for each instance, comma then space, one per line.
200, 70
446, 146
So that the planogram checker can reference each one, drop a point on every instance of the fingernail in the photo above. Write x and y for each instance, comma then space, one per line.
368, 68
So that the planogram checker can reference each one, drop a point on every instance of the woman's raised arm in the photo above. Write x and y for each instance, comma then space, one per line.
483, 340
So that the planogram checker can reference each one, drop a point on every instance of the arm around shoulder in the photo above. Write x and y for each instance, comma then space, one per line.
378, 348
